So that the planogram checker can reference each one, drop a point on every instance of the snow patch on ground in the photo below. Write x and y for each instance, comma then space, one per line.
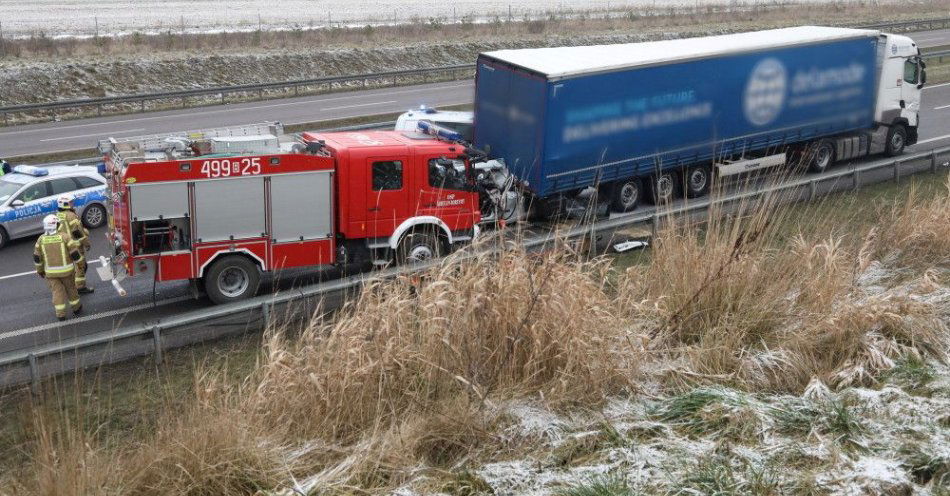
120, 17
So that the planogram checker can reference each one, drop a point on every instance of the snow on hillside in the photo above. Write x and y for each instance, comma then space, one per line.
107, 17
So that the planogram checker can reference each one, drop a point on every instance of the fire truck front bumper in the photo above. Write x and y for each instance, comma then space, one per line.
107, 274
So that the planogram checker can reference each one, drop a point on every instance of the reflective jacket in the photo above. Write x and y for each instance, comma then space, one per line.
70, 224
54, 254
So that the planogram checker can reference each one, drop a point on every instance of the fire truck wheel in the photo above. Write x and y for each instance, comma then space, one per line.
418, 246
232, 278
94, 216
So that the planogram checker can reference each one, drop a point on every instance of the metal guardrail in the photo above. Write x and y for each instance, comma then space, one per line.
940, 54
934, 23
259, 88
265, 305
223, 91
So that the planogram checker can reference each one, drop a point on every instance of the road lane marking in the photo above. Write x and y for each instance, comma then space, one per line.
110, 313
941, 107
235, 107
21, 274
94, 134
360, 105
938, 138
936, 86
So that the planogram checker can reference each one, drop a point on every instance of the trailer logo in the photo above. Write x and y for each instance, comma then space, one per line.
765, 92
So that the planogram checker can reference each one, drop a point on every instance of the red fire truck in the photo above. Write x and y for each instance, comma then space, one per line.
220, 207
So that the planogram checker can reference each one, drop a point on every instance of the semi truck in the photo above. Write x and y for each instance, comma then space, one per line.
222, 207
658, 120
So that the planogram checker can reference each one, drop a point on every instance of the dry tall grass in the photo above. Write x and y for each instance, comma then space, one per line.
413, 375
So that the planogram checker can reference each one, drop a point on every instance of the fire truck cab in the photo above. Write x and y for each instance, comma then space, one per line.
221, 207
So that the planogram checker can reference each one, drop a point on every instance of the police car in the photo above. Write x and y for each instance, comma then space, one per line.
29, 193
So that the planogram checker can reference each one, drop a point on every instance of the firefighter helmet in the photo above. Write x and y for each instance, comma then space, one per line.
50, 224
65, 201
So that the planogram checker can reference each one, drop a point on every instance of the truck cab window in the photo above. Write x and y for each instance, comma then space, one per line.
387, 175
910, 71
447, 174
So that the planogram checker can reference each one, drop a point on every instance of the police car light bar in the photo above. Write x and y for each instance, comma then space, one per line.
439, 131
30, 170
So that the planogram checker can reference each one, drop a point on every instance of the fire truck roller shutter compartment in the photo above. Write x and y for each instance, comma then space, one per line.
227, 208
160, 221
302, 206
158, 200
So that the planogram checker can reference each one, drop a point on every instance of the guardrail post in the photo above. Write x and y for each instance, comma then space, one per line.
265, 314
99, 110
897, 171
655, 225
260, 94
34, 375
296, 90
143, 105
222, 98
812, 189
157, 342
183, 100
857, 180
933, 162
5, 118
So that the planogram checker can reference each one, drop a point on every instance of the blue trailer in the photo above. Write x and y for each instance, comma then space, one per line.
663, 117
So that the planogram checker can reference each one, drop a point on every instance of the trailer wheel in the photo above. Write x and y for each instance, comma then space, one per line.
821, 155
625, 195
697, 181
418, 246
896, 140
232, 278
663, 188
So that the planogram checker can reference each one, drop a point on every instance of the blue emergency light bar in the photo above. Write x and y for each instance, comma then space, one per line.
30, 170
439, 131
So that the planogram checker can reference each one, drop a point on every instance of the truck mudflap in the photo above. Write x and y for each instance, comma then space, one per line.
108, 275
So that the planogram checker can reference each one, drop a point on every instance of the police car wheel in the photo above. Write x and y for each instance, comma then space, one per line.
94, 216
232, 278
4, 237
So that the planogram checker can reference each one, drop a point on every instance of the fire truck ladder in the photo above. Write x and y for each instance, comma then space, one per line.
156, 142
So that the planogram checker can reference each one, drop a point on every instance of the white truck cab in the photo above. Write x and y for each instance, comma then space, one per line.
902, 77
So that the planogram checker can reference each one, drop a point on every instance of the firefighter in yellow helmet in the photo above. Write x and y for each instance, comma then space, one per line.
70, 225
55, 256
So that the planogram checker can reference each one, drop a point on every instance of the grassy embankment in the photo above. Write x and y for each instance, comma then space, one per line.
413, 384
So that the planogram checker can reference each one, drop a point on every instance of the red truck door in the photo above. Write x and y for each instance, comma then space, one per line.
387, 202
445, 192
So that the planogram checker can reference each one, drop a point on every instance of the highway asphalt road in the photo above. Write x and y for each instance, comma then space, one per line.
80, 134
928, 39
26, 315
